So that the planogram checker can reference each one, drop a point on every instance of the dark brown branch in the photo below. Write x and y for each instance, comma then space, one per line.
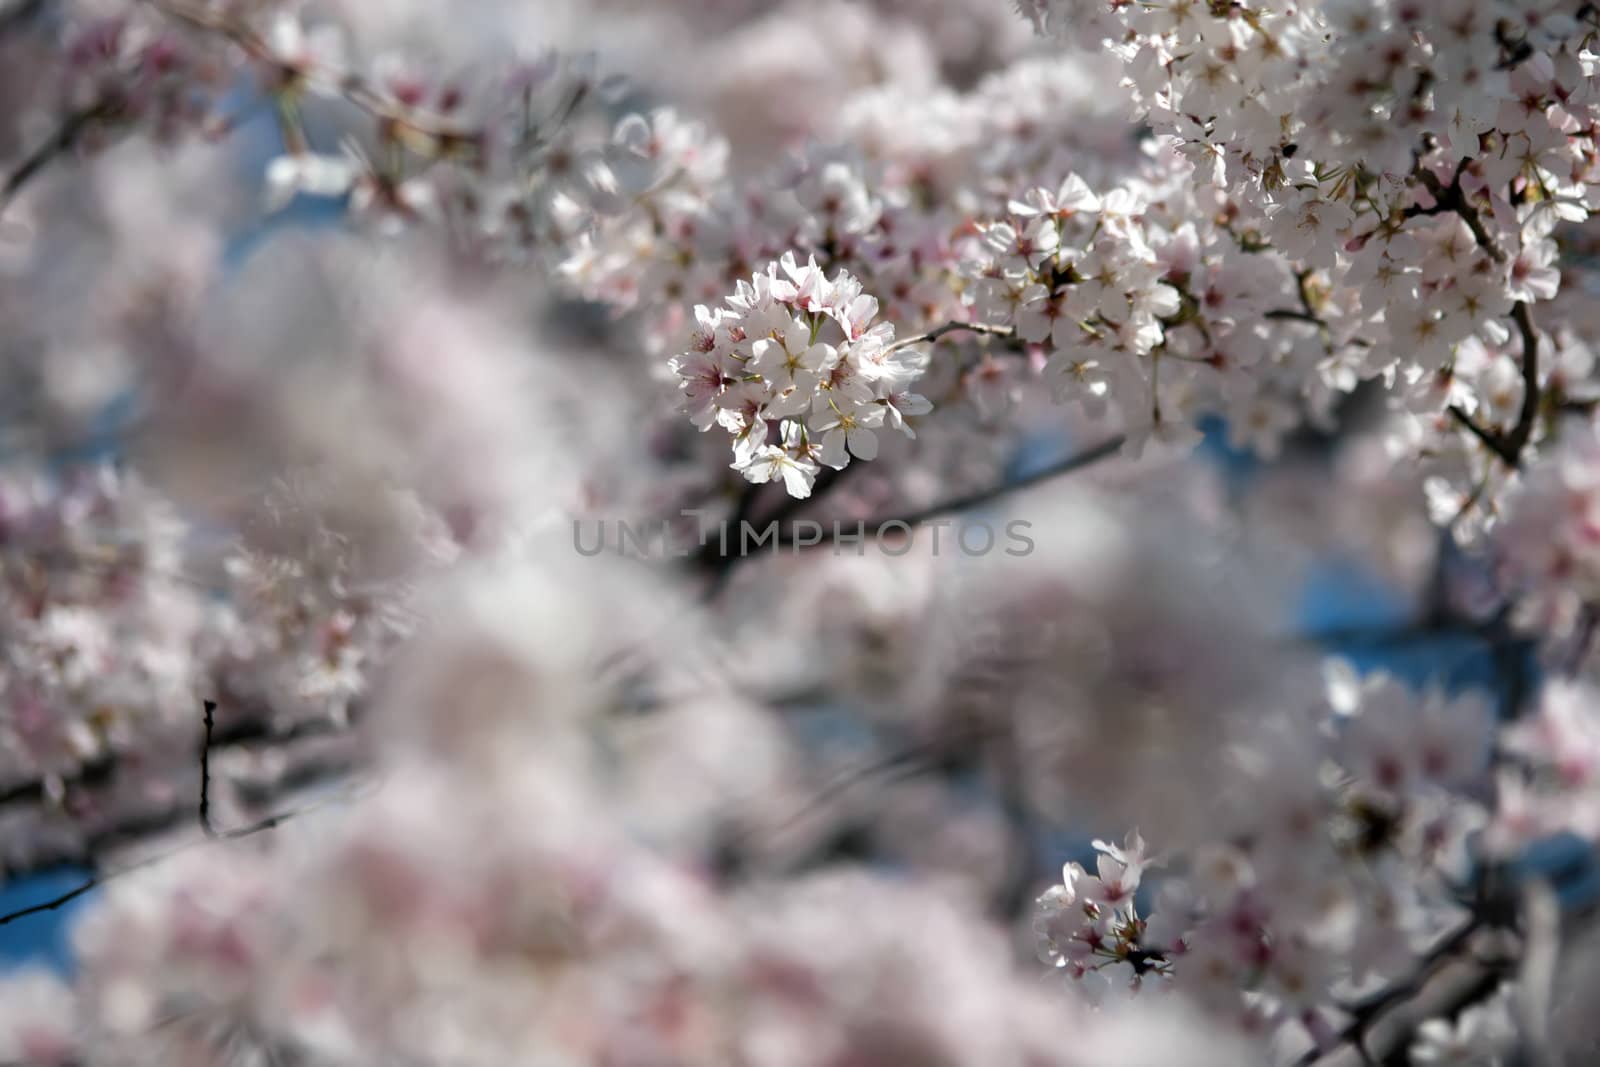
1407, 1001
718, 559
1368, 1012
205, 771
97, 880
205, 794
100, 771
60, 142
1368, 1007
1490, 440
1451, 198
211, 832
1508, 446
1294, 315
50, 905
1072, 463
1529, 413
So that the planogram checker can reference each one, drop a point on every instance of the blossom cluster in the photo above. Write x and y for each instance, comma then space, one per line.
1551, 788
119, 622
1334, 193
1349, 867
389, 931
606, 824
101, 627
486, 147
800, 350
1547, 543
1410, 162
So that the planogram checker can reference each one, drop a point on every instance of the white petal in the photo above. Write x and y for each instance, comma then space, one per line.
864, 444
797, 480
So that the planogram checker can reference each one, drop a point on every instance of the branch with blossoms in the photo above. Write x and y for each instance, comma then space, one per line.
795, 356
158, 79
1421, 995
1314, 201
1507, 446
210, 831
241, 732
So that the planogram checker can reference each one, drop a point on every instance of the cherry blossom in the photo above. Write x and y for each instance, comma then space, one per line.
1058, 352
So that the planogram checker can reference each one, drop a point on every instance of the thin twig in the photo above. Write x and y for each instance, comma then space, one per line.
95, 881
952, 327
51, 905
910, 759
350, 85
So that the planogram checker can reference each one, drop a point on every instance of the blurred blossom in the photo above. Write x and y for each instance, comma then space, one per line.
323, 326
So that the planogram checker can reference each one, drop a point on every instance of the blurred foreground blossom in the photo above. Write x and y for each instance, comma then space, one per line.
327, 325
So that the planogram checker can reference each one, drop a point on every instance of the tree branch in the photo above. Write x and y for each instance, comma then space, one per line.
1294, 315
211, 834
205, 771
101, 770
1451, 198
1075, 462
1418, 996
1508, 446
350, 85
719, 563
51, 905
1372, 1010
952, 327
1529, 413
59, 143
1488, 438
